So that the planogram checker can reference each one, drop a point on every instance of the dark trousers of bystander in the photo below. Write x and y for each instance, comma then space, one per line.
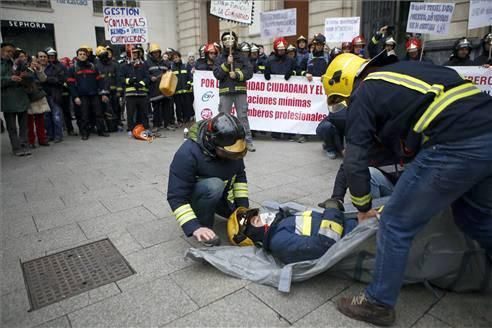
18, 138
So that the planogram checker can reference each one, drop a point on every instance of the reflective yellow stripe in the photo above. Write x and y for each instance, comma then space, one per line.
261, 67
441, 102
239, 88
127, 80
374, 40
361, 201
241, 75
307, 221
129, 89
142, 83
184, 213
338, 228
241, 190
182, 91
224, 68
175, 72
401, 79
183, 71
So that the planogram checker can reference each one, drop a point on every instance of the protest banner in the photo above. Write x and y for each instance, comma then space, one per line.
125, 25
430, 18
480, 14
480, 76
239, 11
278, 23
294, 106
342, 29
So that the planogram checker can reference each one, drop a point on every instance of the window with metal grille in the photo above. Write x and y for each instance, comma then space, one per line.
27, 3
99, 4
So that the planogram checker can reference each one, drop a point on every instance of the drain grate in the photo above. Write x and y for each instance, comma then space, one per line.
50, 279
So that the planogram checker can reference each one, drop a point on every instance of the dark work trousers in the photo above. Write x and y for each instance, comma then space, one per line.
18, 138
67, 113
115, 105
158, 115
184, 107
91, 106
168, 111
136, 111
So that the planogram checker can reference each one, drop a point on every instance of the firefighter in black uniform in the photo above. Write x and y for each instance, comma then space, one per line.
183, 97
86, 88
446, 121
135, 81
211, 52
486, 57
461, 53
109, 71
207, 176
316, 66
157, 67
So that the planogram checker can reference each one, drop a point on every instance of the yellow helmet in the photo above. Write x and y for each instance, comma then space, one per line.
154, 47
100, 50
89, 48
340, 75
236, 225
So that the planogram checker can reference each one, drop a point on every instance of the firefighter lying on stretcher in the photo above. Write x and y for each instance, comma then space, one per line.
289, 237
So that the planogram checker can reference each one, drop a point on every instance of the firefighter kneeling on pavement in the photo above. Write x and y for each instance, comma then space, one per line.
447, 122
207, 176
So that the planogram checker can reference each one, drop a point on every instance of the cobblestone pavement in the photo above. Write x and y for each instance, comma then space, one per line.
75, 192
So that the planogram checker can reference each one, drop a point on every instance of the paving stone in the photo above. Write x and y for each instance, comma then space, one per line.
37, 244
102, 225
129, 201
37, 207
15, 311
303, 298
17, 225
413, 303
154, 262
124, 242
430, 321
283, 194
76, 198
150, 305
240, 309
69, 215
465, 309
12, 278
328, 316
205, 284
61, 322
93, 296
155, 232
12, 199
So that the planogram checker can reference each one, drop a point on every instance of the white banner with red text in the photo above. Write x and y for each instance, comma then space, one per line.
294, 106
480, 76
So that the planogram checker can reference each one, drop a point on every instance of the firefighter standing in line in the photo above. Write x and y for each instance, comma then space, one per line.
486, 57
157, 67
207, 176
253, 58
302, 50
109, 72
183, 97
413, 47
86, 86
461, 54
211, 53
358, 46
446, 121
135, 81
316, 66
233, 69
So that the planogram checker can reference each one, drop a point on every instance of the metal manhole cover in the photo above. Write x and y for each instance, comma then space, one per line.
50, 279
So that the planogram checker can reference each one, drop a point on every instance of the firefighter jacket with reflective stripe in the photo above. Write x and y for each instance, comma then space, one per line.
406, 106
135, 79
260, 63
242, 68
316, 65
84, 79
156, 69
281, 65
190, 165
302, 56
185, 78
306, 236
110, 73
202, 64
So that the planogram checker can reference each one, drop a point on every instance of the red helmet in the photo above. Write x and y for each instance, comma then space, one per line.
66, 62
279, 44
210, 47
413, 44
359, 40
347, 46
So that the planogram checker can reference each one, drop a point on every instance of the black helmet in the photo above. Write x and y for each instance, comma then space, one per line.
462, 43
226, 134
245, 47
319, 39
335, 52
301, 38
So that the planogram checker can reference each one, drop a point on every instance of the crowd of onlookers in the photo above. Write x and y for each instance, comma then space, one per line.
41, 93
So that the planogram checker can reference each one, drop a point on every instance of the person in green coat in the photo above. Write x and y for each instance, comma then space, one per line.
15, 101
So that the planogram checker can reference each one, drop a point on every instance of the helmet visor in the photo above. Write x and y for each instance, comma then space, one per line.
237, 151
